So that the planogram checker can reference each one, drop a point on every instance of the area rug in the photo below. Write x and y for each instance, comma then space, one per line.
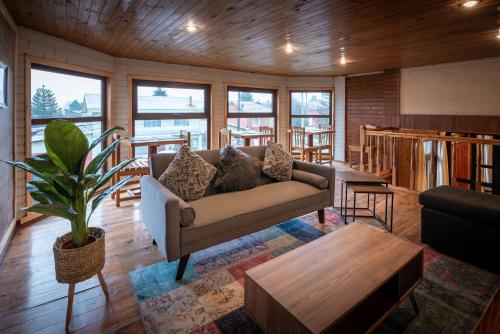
209, 299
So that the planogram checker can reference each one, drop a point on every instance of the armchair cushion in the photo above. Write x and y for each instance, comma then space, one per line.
277, 162
188, 176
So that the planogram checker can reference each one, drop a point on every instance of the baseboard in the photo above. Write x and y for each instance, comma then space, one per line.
4, 243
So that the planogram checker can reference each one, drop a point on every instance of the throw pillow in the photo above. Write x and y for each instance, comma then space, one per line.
238, 171
278, 163
188, 175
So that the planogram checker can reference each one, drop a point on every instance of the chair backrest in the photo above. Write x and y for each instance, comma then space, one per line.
325, 139
267, 130
298, 137
224, 137
186, 135
115, 156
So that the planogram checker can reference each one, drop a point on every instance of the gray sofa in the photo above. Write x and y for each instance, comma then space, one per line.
223, 217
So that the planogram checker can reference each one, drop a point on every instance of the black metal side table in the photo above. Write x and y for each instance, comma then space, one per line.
375, 190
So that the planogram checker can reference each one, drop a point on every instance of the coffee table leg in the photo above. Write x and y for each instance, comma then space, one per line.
346, 205
354, 208
414, 303
392, 210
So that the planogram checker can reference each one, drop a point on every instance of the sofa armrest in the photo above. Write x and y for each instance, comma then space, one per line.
327, 172
161, 214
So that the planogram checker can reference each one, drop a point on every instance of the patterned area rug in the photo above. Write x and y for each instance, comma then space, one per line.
210, 297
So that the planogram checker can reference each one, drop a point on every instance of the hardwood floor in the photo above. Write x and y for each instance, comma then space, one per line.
32, 301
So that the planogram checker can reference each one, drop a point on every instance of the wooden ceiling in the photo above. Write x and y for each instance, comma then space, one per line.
250, 35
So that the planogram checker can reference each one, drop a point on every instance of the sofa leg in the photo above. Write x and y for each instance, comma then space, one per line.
321, 216
182, 266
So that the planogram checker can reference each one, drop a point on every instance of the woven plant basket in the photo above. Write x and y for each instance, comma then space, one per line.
74, 265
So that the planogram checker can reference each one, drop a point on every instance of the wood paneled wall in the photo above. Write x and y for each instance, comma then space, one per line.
7, 56
452, 123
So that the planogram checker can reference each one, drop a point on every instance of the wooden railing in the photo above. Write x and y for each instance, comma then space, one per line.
386, 161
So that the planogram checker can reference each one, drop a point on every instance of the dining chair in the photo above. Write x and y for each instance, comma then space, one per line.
138, 168
366, 147
298, 144
325, 144
266, 130
224, 137
184, 134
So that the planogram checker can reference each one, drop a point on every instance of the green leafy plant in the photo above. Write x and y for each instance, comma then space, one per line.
62, 185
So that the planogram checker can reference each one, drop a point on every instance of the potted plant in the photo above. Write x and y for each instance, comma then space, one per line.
64, 185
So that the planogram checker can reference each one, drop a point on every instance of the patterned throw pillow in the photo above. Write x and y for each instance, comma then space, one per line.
278, 163
238, 171
188, 175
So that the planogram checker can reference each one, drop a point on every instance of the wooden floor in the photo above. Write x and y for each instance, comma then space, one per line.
31, 300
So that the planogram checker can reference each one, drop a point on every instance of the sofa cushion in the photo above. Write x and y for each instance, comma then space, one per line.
313, 179
464, 203
277, 162
188, 176
238, 171
231, 211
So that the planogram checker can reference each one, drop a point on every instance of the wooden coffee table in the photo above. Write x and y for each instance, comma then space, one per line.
346, 282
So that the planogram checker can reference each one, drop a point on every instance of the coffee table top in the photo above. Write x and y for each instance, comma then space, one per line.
360, 177
320, 282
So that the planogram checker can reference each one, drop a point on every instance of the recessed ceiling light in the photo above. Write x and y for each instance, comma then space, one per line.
288, 48
191, 27
498, 34
470, 3
343, 60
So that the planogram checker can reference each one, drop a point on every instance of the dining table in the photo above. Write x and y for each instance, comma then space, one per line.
151, 142
248, 135
310, 132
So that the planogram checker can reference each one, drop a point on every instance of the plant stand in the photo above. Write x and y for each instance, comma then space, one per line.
71, 294
74, 265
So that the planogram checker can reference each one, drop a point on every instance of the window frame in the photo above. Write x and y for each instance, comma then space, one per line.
273, 114
136, 116
330, 114
104, 91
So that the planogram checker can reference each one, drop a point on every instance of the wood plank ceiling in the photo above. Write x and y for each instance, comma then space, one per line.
250, 35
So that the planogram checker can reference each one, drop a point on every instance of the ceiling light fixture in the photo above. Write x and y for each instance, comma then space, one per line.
498, 34
191, 27
288, 48
343, 60
470, 3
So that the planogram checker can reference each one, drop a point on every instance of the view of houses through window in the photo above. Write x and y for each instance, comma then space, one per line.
60, 94
249, 109
164, 109
310, 109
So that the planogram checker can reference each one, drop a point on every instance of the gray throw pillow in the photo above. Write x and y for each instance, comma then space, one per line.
237, 171
278, 163
188, 175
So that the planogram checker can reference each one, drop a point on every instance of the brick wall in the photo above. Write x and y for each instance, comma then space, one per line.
371, 99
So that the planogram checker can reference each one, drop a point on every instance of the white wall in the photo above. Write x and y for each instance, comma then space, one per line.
464, 88
38, 44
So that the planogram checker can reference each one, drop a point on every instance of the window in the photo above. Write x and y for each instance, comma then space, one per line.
310, 108
62, 94
161, 108
250, 108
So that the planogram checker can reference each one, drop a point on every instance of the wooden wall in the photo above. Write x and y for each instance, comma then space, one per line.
7, 56
452, 123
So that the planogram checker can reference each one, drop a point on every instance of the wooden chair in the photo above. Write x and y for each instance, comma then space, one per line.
186, 135
298, 144
137, 168
224, 137
325, 144
369, 148
267, 130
